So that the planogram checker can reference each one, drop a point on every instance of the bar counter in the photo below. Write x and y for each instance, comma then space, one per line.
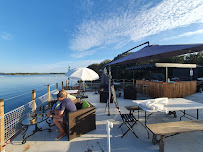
166, 89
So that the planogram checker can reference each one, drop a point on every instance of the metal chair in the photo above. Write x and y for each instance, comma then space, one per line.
81, 94
128, 119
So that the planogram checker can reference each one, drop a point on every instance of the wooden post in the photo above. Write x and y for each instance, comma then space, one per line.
123, 83
166, 74
161, 144
154, 140
62, 84
57, 87
49, 94
66, 82
2, 140
34, 106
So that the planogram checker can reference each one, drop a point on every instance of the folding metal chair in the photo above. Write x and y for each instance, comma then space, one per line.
128, 119
81, 94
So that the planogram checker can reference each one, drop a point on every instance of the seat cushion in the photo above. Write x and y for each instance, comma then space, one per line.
85, 104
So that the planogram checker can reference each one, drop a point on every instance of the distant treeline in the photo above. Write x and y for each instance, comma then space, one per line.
29, 73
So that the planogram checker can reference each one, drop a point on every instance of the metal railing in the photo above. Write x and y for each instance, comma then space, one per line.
10, 122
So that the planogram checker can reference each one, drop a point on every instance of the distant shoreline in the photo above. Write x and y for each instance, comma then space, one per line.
30, 73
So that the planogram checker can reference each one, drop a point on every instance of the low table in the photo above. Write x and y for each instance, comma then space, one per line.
133, 108
35, 120
174, 104
68, 91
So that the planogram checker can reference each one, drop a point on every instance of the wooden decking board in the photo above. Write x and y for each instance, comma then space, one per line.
176, 127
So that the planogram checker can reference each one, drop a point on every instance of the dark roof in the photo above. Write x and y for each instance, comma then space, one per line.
145, 66
158, 52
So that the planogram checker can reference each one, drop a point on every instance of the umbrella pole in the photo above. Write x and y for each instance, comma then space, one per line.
84, 86
108, 101
80, 85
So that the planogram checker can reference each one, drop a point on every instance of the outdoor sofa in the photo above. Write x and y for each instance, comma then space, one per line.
80, 121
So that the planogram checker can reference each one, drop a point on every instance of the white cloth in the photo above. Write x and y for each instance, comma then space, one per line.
174, 104
157, 104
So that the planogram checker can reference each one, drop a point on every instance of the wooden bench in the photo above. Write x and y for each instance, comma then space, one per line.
172, 128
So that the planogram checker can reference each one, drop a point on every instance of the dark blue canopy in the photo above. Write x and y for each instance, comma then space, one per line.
158, 52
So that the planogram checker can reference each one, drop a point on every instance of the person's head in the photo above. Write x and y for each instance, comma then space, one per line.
61, 95
63, 91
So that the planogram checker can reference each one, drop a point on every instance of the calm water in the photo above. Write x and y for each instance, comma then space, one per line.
12, 86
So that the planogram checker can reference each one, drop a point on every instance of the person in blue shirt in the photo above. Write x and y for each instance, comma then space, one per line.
66, 106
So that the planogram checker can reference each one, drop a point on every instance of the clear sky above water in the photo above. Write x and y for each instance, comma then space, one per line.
50, 35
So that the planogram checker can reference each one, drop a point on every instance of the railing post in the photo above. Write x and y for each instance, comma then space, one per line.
62, 84
123, 83
57, 87
34, 106
66, 82
2, 140
49, 94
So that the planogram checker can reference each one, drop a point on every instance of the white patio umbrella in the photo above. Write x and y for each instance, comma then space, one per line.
84, 74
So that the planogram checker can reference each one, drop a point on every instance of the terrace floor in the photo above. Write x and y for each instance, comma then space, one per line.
96, 141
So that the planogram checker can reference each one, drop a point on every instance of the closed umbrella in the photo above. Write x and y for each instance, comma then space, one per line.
84, 74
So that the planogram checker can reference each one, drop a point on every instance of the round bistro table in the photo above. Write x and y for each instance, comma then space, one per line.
35, 120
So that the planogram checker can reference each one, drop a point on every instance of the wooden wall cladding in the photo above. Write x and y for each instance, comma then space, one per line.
163, 89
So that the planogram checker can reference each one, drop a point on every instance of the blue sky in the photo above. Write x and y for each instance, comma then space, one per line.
50, 35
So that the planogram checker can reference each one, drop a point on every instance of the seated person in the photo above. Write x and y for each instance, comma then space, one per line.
71, 97
56, 106
66, 106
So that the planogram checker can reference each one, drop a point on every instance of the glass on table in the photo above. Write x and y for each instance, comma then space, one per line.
32, 114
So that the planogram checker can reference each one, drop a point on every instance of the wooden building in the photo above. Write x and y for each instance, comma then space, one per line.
170, 89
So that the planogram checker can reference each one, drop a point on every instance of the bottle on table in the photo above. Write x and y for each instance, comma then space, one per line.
43, 109
40, 111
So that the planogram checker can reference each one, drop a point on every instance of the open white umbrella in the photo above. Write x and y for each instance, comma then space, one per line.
84, 74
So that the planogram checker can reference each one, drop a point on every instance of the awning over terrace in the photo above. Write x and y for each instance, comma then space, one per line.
158, 52
153, 52
162, 65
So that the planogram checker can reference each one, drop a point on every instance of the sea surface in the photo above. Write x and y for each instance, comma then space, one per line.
16, 90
